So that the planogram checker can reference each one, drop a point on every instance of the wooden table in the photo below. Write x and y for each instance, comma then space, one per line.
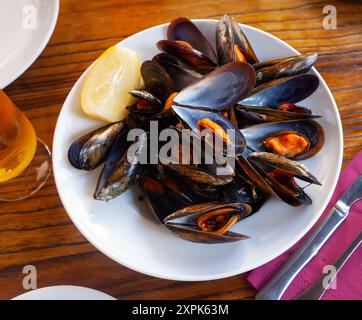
38, 231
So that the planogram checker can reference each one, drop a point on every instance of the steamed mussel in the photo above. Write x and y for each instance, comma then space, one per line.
208, 222
246, 112
92, 149
232, 44
186, 42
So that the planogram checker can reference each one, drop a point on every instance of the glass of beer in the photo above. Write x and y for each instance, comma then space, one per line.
25, 160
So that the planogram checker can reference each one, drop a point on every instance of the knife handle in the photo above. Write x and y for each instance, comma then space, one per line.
316, 291
275, 288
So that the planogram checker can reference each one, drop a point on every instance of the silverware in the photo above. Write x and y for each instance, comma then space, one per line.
276, 286
316, 291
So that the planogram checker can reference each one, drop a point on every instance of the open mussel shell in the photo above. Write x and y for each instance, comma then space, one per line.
253, 175
185, 222
229, 39
147, 107
267, 63
200, 175
286, 190
194, 58
289, 89
220, 89
157, 81
123, 167
195, 162
185, 30
282, 184
286, 165
289, 67
240, 191
251, 115
181, 75
164, 196
145, 95
91, 150
230, 140
308, 129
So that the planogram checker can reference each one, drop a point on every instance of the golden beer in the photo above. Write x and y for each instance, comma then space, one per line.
18, 140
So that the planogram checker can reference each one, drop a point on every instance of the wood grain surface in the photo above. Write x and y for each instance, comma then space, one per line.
38, 231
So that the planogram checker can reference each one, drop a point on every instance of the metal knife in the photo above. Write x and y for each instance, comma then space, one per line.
316, 291
276, 286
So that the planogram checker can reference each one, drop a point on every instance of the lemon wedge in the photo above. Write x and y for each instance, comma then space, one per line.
105, 92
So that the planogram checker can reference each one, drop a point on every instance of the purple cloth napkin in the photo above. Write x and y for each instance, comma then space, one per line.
349, 280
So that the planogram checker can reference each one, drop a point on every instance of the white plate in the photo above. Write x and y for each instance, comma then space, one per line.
64, 293
124, 229
25, 29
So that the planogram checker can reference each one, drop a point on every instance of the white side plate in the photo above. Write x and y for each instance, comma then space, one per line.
64, 293
25, 29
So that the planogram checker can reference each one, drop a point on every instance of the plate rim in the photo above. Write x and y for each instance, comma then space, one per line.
241, 270
37, 52
29, 295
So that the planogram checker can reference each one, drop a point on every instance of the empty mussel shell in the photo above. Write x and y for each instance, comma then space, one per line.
91, 150
220, 89
209, 222
307, 131
289, 89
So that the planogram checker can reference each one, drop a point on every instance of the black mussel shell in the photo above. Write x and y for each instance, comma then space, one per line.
250, 172
289, 89
286, 165
239, 191
283, 185
142, 112
285, 189
145, 95
163, 199
157, 81
185, 30
91, 150
184, 222
252, 115
200, 175
220, 89
309, 129
290, 67
123, 167
193, 161
267, 63
194, 58
181, 75
229, 34
192, 117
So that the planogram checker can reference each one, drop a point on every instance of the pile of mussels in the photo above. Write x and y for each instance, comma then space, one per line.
190, 85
